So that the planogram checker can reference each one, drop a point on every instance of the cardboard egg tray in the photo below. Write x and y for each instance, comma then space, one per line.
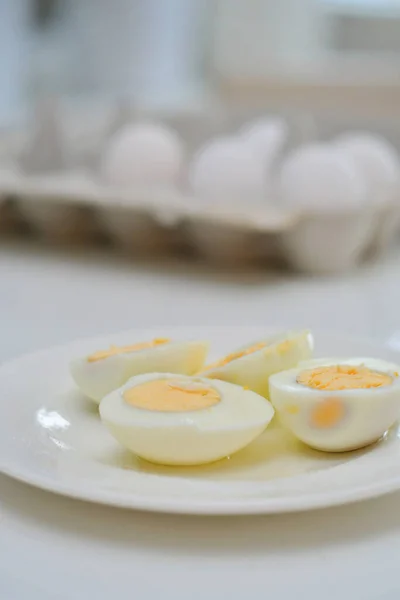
52, 189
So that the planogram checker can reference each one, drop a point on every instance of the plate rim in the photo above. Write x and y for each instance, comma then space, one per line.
176, 505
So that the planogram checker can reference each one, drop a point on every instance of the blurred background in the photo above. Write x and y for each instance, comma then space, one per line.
334, 64
319, 54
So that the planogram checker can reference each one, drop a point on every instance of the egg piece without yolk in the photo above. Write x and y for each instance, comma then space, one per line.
172, 419
99, 373
338, 405
253, 365
143, 154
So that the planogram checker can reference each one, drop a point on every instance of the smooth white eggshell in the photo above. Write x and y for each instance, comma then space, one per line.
328, 242
266, 137
227, 170
378, 161
319, 177
143, 154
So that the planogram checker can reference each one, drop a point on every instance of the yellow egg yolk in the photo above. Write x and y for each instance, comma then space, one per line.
328, 413
113, 350
166, 395
234, 355
343, 377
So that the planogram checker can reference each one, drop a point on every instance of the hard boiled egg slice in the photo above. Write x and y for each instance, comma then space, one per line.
253, 365
178, 420
338, 406
105, 370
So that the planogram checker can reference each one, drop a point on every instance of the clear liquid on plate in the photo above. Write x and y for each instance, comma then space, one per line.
274, 454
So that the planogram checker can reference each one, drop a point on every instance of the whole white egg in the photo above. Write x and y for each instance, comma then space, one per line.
102, 371
319, 177
175, 420
338, 405
378, 161
253, 365
227, 170
266, 137
143, 154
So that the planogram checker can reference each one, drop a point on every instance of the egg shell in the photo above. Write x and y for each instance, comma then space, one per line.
317, 177
329, 242
281, 352
143, 154
96, 379
366, 413
266, 137
227, 170
377, 160
187, 438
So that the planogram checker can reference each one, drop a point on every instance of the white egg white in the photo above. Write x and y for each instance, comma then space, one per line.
187, 438
98, 378
366, 413
281, 352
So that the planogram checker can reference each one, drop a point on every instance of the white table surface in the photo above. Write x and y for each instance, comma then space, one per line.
56, 548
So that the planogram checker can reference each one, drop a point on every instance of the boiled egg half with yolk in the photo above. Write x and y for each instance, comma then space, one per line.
253, 365
172, 419
102, 371
336, 405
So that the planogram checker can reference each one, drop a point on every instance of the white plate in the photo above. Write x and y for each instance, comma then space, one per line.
51, 437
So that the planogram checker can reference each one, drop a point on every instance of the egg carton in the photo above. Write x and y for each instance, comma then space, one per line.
55, 192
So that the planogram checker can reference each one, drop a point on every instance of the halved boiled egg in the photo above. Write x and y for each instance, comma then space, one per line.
253, 365
105, 370
336, 405
172, 419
